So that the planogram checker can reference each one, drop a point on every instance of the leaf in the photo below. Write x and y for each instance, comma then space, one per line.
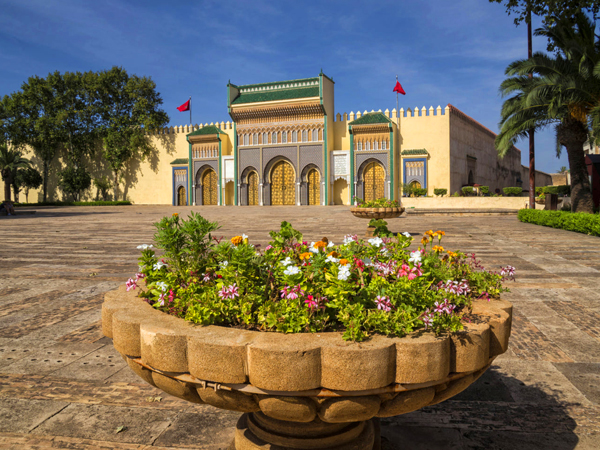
121, 428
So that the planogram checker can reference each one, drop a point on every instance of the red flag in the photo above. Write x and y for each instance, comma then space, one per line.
186, 106
398, 88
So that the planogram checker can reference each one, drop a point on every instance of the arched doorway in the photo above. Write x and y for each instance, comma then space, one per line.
313, 185
340, 192
374, 181
471, 181
283, 191
253, 189
181, 200
415, 185
229, 193
209, 187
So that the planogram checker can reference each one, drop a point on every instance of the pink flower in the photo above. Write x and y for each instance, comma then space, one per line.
383, 303
310, 302
427, 318
269, 247
161, 299
292, 293
229, 292
206, 277
171, 295
131, 284
138, 276
508, 271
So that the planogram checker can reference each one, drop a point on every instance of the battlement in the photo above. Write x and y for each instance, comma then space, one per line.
186, 129
407, 113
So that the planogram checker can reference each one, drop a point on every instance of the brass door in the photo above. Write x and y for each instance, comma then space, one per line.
253, 189
181, 201
209, 187
374, 176
314, 191
283, 191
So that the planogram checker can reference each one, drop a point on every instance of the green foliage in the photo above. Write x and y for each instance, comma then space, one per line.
379, 203
419, 192
408, 189
485, 190
381, 228
11, 160
467, 191
561, 190
74, 181
512, 191
551, 11
103, 185
440, 192
456, 194
27, 178
579, 222
359, 288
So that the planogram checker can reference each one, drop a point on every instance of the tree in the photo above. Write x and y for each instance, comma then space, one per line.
551, 11
28, 178
562, 92
10, 161
75, 180
563, 169
130, 108
103, 185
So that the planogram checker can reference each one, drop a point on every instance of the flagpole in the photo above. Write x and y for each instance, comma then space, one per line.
190, 110
398, 131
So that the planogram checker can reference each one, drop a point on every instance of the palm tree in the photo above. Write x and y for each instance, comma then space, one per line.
563, 92
10, 162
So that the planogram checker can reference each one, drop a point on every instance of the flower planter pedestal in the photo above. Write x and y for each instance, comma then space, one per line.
303, 391
376, 213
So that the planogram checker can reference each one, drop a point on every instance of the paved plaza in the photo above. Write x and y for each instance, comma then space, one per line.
62, 384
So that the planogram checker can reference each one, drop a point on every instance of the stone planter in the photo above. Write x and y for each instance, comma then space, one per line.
303, 391
377, 213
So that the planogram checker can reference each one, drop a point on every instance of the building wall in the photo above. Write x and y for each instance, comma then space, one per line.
541, 178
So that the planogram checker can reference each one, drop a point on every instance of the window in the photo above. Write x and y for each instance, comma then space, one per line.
294, 136
368, 146
359, 146
246, 139
284, 137
383, 145
315, 135
376, 145
304, 136
265, 139
274, 137
255, 139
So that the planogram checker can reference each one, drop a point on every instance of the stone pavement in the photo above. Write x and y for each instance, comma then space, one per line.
62, 385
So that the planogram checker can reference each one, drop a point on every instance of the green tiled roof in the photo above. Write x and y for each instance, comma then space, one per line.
211, 129
415, 151
179, 162
371, 118
277, 90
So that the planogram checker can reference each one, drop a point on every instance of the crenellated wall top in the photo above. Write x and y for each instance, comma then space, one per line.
394, 114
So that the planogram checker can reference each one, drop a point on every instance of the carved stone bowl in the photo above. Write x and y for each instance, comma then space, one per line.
377, 213
303, 391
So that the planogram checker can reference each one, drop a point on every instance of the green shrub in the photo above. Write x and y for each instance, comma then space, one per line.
561, 190
485, 190
456, 194
419, 192
539, 190
407, 189
379, 203
440, 192
467, 191
513, 191
578, 222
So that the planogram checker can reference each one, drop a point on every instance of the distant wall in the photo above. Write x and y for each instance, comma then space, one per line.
541, 178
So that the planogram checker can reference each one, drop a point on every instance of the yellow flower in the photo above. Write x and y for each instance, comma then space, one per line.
437, 248
320, 245
425, 240
441, 233
452, 254
237, 240
305, 255
343, 262
334, 254
429, 233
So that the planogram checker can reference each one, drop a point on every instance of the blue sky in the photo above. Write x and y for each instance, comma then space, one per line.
443, 51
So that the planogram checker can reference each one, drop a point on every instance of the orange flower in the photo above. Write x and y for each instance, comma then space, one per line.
425, 240
452, 254
344, 262
320, 245
334, 254
437, 248
237, 240
305, 255
174, 214
441, 233
429, 233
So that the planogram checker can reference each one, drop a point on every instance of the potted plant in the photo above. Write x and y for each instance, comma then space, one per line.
312, 341
381, 208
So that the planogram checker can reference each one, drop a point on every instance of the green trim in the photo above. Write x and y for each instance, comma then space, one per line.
321, 87
392, 168
371, 118
273, 83
180, 161
352, 194
219, 177
190, 175
210, 129
276, 94
326, 165
416, 151
235, 166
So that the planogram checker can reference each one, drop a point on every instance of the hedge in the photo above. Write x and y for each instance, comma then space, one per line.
99, 203
579, 222
419, 192
467, 190
485, 190
440, 192
513, 191
561, 190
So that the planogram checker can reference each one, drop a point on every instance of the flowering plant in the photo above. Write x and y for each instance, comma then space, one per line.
292, 286
379, 203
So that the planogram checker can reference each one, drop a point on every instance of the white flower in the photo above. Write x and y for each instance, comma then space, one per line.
144, 246
224, 264
344, 273
376, 241
406, 234
286, 262
384, 251
348, 238
332, 259
159, 265
141, 267
312, 248
162, 285
244, 236
291, 270
415, 257
331, 244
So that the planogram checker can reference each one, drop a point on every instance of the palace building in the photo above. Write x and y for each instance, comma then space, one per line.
284, 144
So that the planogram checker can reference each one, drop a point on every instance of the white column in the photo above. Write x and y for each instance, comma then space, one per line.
239, 196
297, 194
355, 194
193, 196
260, 194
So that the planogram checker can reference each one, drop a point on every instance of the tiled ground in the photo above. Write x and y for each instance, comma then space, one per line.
62, 385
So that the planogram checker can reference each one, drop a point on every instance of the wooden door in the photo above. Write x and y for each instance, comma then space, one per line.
283, 191
209, 187
181, 200
253, 189
374, 176
314, 190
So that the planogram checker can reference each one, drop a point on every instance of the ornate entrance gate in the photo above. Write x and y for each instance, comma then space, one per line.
374, 177
181, 200
283, 191
253, 189
209, 187
314, 191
